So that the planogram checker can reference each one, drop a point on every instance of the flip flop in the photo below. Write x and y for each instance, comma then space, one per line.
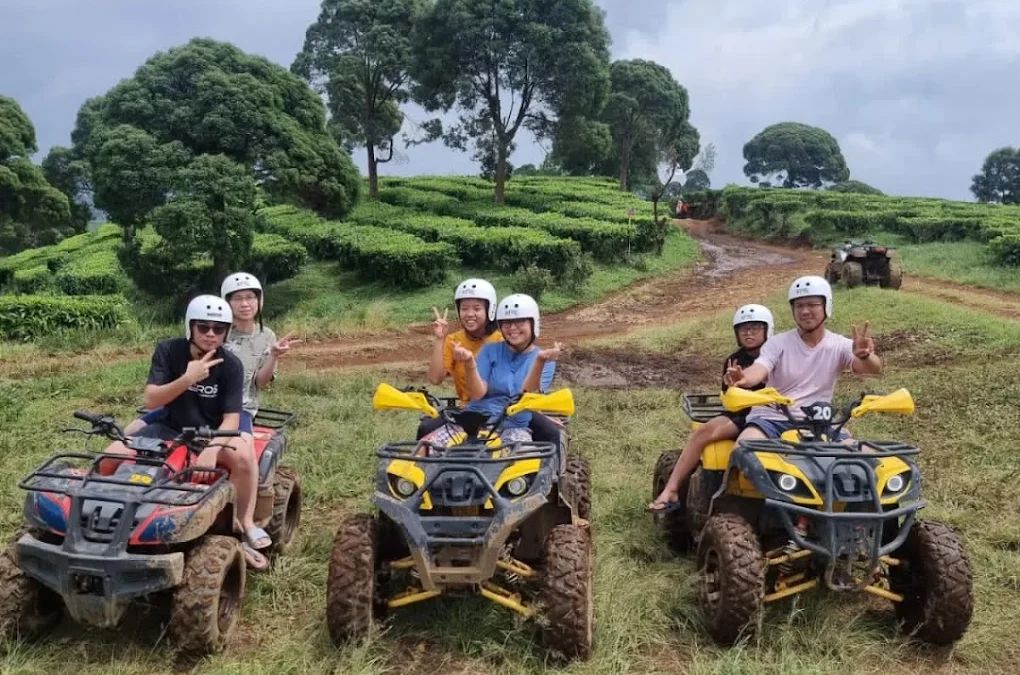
257, 538
255, 560
669, 507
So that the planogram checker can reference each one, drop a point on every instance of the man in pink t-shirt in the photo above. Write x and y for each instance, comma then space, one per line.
804, 364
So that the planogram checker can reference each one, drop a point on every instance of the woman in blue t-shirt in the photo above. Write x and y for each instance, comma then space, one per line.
505, 369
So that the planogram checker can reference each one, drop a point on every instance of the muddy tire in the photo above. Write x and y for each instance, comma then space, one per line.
731, 577
936, 582
831, 275
283, 525
577, 483
207, 604
568, 592
893, 278
674, 525
28, 610
853, 274
350, 584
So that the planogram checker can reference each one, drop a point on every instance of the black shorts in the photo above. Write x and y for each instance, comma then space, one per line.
158, 430
738, 418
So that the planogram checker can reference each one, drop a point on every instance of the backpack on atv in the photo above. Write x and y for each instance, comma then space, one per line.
157, 527
506, 521
804, 511
864, 263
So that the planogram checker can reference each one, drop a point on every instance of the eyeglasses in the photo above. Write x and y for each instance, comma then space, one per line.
215, 328
751, 328
249, 297
807, 305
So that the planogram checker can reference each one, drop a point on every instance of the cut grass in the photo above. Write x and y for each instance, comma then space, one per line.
647, 621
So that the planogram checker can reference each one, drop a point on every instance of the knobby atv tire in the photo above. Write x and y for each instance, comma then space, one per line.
936, 582
28, 610
207, 604
894, 278
831, 275
350, 584
568, 592
577, 480
675, 525
283, 525
853, 274
731, 577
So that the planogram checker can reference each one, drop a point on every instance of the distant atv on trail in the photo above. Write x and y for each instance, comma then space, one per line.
864, 263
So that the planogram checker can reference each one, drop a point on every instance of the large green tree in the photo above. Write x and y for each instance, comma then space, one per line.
999, 180
648, 111
70, 175
32, 212
358, 53
210, 98
794, 155
506, 64
581, 144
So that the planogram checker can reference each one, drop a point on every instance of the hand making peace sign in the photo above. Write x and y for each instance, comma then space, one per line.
440, 327
283, 345
734, 373
198, 369
864, 346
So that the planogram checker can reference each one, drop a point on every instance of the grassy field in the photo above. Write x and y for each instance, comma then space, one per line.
959, 365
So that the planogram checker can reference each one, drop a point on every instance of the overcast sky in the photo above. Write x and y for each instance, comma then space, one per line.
917, 92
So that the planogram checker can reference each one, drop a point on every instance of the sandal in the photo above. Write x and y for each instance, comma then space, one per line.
255, 560
666, 507
257, 538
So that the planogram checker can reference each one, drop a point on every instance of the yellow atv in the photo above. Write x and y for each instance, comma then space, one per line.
506, 521
817, 508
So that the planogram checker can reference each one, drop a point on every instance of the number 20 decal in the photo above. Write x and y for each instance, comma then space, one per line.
820, 413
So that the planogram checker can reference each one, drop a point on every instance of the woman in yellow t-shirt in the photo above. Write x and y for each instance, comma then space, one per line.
476, 310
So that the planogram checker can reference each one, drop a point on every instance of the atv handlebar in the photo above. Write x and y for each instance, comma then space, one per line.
821, 418
105, 425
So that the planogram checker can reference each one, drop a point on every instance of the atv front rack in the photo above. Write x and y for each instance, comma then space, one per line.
172, 490
702, 408
462, 472
838, 523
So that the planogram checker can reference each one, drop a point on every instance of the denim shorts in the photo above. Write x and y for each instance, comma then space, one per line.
157, 415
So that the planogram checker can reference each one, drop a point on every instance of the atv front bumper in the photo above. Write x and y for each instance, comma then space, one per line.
98, 588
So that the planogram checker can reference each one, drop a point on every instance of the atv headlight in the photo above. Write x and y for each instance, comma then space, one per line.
404, 487
895, 484
516, 487
787, 483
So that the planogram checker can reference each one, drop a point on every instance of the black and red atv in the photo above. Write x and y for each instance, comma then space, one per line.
156, 528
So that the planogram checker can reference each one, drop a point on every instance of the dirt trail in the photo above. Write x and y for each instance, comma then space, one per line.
732, 271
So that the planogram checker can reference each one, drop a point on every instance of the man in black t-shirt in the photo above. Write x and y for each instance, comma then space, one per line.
198, 383
752, 326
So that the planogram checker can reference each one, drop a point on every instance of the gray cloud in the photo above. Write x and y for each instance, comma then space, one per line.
916, 91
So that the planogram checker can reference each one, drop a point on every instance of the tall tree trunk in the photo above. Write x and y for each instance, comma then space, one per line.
500, 170
624, 164
373, 173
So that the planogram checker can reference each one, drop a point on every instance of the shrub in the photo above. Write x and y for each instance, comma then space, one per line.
95, 271
1005, 249
24, 317
31, 280
532, 280
274, 258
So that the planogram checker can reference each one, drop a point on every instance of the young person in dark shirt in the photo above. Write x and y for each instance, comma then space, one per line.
752, 326
198, 383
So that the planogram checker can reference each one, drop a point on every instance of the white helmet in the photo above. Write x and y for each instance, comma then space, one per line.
812, 286
755, 313
477, 289
519, 306
241, 281
207, 308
